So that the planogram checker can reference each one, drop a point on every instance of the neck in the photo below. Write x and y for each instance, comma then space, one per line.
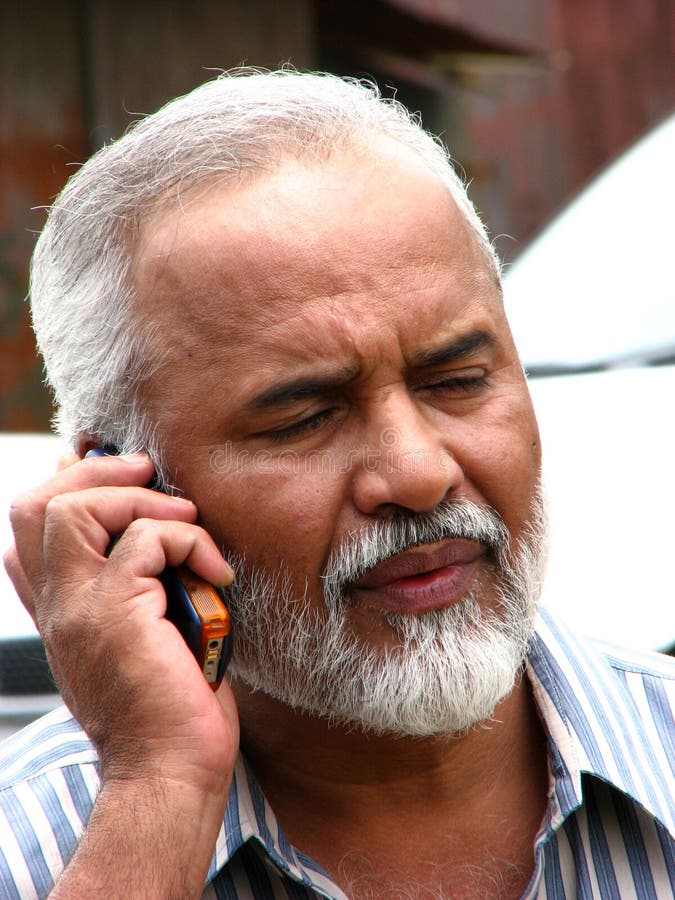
295, 755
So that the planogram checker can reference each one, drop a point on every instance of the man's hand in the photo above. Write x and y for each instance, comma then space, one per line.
167, 743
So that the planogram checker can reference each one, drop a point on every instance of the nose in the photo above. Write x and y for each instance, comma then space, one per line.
406, 463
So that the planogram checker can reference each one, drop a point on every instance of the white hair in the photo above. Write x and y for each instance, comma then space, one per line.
241, 123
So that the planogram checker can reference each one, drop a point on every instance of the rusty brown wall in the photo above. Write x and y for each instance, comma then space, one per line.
599, 73
41, 134
73, 75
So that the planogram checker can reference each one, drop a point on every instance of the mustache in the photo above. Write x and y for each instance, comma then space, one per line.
363, 549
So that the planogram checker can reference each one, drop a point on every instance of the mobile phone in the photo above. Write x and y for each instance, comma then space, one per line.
196, 609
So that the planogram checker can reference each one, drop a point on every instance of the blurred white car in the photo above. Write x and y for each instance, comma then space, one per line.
592, 307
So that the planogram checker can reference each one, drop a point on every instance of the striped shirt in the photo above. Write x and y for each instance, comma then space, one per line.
609, 830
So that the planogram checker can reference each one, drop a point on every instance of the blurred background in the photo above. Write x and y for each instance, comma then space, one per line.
531, 96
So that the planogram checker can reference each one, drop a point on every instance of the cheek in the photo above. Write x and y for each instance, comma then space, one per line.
274, 514
502, 462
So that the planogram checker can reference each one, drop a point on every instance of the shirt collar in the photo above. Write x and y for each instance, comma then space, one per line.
250, 817
593, 723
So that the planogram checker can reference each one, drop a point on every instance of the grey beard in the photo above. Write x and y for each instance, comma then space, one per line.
445, 670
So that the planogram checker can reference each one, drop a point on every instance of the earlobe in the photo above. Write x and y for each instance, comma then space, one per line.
84, 442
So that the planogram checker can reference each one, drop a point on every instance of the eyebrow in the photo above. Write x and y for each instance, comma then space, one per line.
298, 388
461, 346
287, 392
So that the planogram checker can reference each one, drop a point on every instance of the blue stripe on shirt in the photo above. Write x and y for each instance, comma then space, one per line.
49, 800
8, 889
233, 835
662, 716
635, 849
577, 846
555, 889
602, 859
668, 848
29, 843
79, 792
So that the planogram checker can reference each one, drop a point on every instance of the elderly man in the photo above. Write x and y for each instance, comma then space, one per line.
275, 293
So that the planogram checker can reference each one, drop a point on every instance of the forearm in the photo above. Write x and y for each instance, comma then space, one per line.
150, 839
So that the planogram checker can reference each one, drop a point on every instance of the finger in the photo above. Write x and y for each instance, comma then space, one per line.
18, 577
78, 527
134, 470
89, 516
97, 513
77, 474
27, 512
66, 461
149, 546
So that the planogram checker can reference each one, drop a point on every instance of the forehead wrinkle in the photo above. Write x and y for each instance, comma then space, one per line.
236, 301
316, 330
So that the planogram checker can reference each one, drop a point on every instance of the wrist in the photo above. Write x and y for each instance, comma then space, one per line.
150, 837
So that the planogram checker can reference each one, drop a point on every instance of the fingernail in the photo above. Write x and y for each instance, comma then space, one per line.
225, 582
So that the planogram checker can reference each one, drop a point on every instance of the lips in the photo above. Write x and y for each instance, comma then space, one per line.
425, 577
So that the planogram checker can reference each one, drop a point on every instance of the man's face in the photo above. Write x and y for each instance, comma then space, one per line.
334, 351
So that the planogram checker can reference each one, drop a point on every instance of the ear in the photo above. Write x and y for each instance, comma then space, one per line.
84, 442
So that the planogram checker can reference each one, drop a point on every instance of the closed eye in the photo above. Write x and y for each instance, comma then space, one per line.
461, 383
301, 428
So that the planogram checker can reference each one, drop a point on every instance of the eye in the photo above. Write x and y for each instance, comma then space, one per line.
301, 428
460, 383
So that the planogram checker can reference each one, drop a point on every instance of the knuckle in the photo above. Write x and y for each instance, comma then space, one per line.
60, 506
10, 560
140, 530
22, 508
141, 537
26, 589
64, 626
